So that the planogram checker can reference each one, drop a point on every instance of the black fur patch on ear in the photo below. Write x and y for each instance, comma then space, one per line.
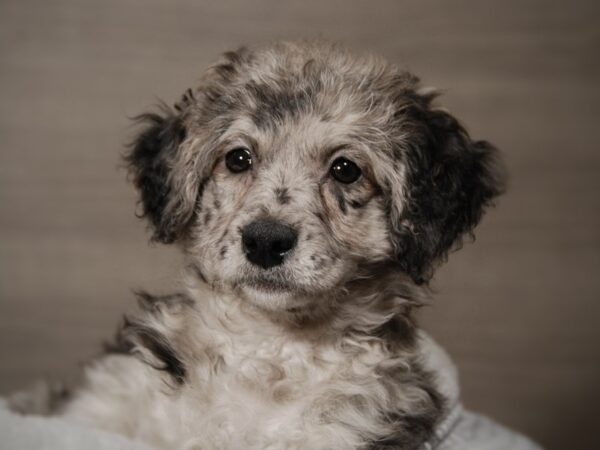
149, 161
450, 180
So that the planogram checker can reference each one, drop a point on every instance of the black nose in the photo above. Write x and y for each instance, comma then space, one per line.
266, 242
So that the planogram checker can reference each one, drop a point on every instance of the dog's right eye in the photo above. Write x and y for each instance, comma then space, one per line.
345, 171
238, 160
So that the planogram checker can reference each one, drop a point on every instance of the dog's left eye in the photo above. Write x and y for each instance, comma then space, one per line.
345, 171
238, 160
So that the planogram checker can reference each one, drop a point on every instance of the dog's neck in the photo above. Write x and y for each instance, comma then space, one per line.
373, 326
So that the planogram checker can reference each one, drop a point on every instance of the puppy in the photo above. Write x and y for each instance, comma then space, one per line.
312, 192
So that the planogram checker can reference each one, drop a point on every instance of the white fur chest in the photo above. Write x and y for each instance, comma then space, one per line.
261, 390
248, 386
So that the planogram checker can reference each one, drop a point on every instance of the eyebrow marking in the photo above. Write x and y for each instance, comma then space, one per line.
331, 150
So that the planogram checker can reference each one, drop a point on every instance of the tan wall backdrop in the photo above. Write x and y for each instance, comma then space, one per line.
518, 310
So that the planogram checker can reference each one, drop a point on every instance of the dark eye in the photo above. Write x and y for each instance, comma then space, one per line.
345, 171
238, 160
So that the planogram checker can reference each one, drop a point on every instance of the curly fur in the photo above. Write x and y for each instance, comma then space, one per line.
322, 351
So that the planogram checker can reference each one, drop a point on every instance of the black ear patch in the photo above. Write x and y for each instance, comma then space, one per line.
150, 162
450, 180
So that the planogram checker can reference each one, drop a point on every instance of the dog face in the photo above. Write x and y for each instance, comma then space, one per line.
294, 170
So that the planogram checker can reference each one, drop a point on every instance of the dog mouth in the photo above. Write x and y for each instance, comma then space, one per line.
280, 295
273, 282
270, 285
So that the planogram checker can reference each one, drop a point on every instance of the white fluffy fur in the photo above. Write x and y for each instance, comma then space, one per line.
252, 385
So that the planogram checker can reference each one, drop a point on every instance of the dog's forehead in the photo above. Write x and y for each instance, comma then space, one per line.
301, 104
307, 136
311, 128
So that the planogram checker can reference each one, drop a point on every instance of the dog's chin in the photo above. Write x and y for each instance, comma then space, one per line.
270, 297
275, 297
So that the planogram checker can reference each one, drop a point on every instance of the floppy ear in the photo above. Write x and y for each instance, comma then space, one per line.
167, 168
449, 181
152, 160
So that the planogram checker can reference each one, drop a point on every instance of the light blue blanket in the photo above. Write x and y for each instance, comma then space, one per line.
464, 430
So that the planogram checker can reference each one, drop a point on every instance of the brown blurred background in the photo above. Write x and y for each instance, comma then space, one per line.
519, 310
